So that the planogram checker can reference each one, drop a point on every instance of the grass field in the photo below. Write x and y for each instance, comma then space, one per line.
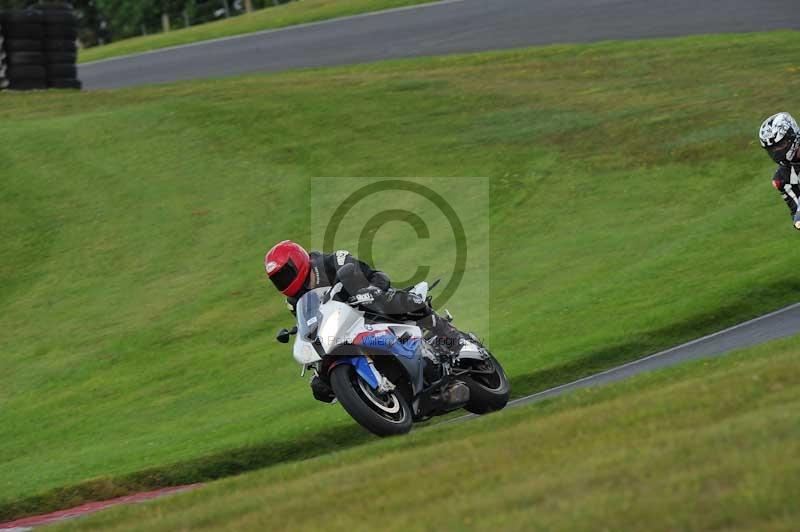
281, 16
711, 445
630, 209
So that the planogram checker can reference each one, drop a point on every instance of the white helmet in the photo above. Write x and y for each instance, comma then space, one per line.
780, 136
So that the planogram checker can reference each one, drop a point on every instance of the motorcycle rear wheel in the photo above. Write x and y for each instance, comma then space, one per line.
381, 414
488, 392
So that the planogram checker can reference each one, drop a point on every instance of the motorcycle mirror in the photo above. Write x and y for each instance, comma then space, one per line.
284, 335
332, 292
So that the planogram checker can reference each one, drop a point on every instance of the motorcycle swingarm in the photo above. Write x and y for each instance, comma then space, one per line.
457, 372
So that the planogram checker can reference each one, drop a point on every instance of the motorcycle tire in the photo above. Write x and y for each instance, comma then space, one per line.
388, 417
25, 58
60, 33
23, 45
60, 17
60, 45
23, 31
27, 84
69, 58
487, 393
27, 72
21, 16
55, 83
62, 71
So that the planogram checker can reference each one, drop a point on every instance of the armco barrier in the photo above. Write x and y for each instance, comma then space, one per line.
39, 45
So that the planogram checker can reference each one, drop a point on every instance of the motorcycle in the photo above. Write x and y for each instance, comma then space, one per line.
386, 372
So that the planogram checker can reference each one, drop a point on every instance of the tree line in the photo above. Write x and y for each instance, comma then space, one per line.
104, 21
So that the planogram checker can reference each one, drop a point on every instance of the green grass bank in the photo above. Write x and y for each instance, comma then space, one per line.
712, 445
631, 209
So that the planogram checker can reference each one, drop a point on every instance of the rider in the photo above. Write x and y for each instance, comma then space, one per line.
780, 136
294, 272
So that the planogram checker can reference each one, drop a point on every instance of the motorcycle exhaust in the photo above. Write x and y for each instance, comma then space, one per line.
456, 394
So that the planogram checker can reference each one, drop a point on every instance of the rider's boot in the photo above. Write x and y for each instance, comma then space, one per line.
322, 392
446, 337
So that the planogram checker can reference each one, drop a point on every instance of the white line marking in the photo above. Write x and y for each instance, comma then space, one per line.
660, 353
273, 30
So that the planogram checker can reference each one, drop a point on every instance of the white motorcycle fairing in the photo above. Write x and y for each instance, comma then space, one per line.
326, 326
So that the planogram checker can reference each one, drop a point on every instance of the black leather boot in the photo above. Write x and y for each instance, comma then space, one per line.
445, 337
322, 392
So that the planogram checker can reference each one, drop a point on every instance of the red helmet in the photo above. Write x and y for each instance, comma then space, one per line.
287, 266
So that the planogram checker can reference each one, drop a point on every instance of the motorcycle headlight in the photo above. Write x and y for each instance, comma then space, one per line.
304, 353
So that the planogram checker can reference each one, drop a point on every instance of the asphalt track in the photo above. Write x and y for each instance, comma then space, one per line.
779, 324
447, 27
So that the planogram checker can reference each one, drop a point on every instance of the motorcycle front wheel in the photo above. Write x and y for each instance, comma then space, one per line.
385, 414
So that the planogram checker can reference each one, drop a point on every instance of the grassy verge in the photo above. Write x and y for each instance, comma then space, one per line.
630, 210
281, 16
706, 446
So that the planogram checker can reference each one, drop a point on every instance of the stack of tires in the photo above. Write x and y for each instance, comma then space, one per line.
23, 32
40, 48
61, 52
3, 77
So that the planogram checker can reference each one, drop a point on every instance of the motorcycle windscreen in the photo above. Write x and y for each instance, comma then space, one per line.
309, 315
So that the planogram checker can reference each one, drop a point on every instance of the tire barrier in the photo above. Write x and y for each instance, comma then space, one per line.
3, 75
38, 48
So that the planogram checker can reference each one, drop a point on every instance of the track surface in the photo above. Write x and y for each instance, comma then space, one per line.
779, 324
452, 26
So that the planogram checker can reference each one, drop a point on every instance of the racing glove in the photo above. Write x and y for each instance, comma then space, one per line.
365, 296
